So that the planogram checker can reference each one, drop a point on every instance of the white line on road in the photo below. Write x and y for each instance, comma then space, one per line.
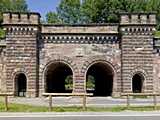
41, 115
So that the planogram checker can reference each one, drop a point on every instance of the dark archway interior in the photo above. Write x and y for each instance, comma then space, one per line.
59, 78
102, 74
137, 83
21, 82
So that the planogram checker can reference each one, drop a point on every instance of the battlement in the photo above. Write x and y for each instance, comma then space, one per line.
21, 18
138, 18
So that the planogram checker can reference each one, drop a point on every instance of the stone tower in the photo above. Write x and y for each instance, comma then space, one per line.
22, 30
137, 49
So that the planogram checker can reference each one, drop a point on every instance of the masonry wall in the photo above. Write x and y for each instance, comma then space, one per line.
2, 65
137, 49
21, 50
156, 72
79, 56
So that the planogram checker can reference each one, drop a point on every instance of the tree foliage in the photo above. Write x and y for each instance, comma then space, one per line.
99, 11
52, 17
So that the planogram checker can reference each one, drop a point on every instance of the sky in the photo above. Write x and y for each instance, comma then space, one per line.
42, 6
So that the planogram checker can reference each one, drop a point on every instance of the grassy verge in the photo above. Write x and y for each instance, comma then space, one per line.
29, 108
157, 34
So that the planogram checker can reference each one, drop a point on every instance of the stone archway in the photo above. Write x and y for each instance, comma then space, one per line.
109, 62
58, 78
99, 79
137, 83
51, 60
20, 85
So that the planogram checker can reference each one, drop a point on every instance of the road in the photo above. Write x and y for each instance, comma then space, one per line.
82, 116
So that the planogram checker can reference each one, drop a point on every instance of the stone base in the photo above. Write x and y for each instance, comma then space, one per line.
116, 94
31, 94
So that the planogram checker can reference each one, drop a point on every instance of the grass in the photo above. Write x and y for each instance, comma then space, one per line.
29, 108
157, 34
141, 97
2, 33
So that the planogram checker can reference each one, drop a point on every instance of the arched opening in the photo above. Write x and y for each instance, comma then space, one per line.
137, 83
21, 85
58, 78
99, 79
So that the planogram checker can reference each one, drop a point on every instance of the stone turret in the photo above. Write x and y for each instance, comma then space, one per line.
22, 34
137, 50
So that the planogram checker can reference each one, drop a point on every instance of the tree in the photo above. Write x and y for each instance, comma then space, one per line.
11, 5
69, 11
52, 17
101, 11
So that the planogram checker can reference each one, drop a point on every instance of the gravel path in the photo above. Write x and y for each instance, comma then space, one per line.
91, 101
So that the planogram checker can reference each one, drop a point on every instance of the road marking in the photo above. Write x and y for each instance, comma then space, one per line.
78, 115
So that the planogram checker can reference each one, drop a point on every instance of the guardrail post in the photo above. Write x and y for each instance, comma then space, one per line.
128, 101
50, 102
6, 103
84, 102
155, 102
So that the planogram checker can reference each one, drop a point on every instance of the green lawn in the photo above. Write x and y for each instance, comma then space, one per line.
29, 108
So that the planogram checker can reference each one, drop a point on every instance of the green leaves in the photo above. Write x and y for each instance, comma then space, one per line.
99, 11
2, 33
69, 11
13, 6
52, 17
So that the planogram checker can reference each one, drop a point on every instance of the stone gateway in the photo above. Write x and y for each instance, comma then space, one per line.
37, 58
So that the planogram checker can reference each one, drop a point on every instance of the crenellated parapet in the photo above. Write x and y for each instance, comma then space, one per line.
138, 18
16, 18
137, 23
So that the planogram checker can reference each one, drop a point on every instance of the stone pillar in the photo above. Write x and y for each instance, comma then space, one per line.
137, 49
22, 31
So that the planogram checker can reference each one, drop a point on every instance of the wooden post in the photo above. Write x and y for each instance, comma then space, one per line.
50, 102
84, 102
155, 102
6, 103
128, 101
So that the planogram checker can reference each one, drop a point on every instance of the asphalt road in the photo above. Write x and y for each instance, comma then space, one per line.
85, 118
82, 116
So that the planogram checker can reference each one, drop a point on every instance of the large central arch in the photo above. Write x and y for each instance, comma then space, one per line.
58, 78
101, 75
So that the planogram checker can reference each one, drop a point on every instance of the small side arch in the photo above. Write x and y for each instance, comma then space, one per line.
138, 79
20, 82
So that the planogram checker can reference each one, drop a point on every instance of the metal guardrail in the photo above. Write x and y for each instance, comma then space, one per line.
84, 95
5, 95
141, 94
